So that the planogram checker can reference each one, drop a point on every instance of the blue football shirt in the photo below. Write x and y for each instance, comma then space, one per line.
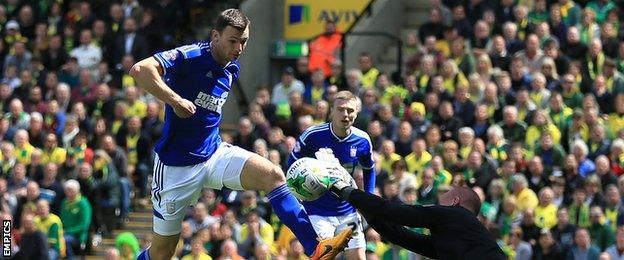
353, 150
192, 72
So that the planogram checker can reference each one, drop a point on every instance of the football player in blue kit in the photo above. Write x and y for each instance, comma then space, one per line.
352, 147
194, 82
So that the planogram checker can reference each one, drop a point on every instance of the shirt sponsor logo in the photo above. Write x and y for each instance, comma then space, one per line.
210, 102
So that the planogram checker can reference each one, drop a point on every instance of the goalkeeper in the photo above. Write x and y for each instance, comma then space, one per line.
456, 233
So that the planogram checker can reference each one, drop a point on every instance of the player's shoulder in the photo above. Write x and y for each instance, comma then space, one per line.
313, 131
359, 133
194, 50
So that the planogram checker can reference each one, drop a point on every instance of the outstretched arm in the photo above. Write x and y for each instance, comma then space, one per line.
373, 206
401, 236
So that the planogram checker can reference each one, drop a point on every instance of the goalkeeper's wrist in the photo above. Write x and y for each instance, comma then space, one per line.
343, 191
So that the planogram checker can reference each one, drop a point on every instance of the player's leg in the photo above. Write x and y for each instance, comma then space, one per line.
173, 190
324, 226
239, 169
356, 249
259, 173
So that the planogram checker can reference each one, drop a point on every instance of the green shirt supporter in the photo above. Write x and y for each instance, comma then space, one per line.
573, 99
601, 10
76, 217
602, 236
570, 13
515, 132
537, 17
579, 215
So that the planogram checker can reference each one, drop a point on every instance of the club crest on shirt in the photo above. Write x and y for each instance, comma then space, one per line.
353, 151
297, 147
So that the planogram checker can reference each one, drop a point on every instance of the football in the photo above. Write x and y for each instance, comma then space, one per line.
305, 179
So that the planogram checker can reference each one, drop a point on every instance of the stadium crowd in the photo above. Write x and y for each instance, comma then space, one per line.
522, 100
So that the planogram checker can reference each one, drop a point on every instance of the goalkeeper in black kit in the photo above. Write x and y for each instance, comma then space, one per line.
456, 233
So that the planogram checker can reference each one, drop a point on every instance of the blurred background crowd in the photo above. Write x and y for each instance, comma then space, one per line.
522, 100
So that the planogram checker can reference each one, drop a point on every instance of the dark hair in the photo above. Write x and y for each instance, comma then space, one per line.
231, 17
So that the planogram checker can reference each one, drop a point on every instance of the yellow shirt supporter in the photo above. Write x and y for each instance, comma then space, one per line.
386, 162
52, 227
394, 90
526, 199
443, 177
546, 217
458, 79
139, 108
370, 78
265, 230
561, 118
615, 122
534, 132
201, 256
416, 164
23, 154
56, 155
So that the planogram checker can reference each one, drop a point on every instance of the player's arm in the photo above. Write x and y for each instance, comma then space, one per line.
372, 206
401, 236
147, 74
368, 167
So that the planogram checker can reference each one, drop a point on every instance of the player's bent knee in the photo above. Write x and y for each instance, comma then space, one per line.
275, 178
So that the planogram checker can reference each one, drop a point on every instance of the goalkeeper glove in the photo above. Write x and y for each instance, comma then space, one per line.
337, 176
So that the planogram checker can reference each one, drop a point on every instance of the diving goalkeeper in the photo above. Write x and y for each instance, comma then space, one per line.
456, 233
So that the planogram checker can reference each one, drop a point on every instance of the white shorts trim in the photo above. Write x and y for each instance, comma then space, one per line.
175, 188
330, 226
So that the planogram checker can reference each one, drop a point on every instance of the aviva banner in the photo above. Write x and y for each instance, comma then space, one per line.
304, 19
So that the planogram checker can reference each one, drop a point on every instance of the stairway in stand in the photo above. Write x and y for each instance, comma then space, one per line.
416, 13
140, 225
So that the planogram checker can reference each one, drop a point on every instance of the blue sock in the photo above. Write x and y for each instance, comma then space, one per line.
294, 216
144, 255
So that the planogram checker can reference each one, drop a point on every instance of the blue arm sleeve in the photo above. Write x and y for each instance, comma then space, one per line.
369, 180
368, 164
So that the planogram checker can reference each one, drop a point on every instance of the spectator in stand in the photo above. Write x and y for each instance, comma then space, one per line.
229, 250
323, 49
433, 27
548, 248
130, 42
34, 244
128, 245
369, 72
76, 217
50, 187
288, 84
201, 219
616, 251
582, 248
20, 57
316, 89
87, 53
601, 234
50, 225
